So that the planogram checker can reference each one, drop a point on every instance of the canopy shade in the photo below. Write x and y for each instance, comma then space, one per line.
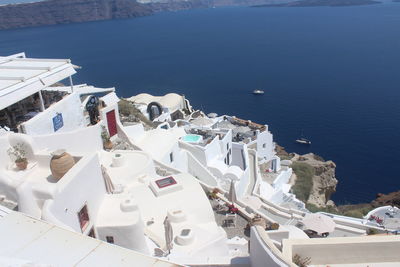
21, 77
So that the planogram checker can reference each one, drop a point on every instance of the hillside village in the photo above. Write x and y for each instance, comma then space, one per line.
155, 176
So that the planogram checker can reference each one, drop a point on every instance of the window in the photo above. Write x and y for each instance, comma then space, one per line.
264, 145
171, 157
110, 239
165, 182
83, 217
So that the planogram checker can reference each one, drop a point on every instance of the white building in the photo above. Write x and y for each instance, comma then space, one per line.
280, 248
162, 108
30, 242
29, 102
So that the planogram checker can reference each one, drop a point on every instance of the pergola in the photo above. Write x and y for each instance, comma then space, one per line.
21, 77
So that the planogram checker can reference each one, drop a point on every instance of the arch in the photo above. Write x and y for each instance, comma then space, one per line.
151, 112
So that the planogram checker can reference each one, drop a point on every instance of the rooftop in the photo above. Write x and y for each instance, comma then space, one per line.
30, 241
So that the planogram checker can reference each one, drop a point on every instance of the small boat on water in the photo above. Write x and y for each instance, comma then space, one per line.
303, 140
258, 92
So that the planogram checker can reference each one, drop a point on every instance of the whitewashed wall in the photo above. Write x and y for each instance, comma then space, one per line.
80, 141
83, 184
238, 155
196, 151
265, 139
213, 150
263, 252
226, 145
72, 113
196, 169
282, 178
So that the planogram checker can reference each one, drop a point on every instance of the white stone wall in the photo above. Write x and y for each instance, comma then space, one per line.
80, 141
213, 150
357, 251
83, 184
238, 155
72, 114
283, 178
265, 145
261, 252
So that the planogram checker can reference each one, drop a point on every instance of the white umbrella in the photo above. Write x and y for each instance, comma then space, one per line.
319, 223
392, 223
169, 234
107, 181
232, 193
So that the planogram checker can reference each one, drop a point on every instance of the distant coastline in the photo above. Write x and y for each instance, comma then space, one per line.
331, 3
51, 12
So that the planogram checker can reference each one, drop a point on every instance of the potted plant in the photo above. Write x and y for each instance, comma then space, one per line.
107, 144
18, 154
213, 194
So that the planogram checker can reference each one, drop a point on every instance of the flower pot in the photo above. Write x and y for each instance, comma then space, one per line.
21, 164
61, 163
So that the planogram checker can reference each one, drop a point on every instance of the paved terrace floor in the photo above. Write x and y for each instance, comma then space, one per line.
240, 225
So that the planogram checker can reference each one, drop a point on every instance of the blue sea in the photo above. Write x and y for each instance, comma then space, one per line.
333, 73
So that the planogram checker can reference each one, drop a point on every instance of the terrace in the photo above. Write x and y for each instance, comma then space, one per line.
207, 136
23, 87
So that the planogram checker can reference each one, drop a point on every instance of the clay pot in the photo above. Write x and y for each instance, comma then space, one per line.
61, 163
21, 164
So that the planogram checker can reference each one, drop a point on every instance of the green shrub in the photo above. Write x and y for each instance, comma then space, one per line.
354, 213
285, 157
304, 182
329, 209
127, 108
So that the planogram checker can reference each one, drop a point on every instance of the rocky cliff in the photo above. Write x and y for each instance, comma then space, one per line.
313, 180
392, 199
50, 12
323, 179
